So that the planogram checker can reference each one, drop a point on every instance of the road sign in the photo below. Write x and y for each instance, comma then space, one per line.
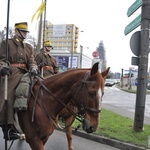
95, 54
132, 25
135, 61
134, 7
135, 43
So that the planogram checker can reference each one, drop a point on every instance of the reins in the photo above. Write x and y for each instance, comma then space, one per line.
51, 117
83, 108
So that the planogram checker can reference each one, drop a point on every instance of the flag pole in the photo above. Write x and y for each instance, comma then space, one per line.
43, 37
6, 76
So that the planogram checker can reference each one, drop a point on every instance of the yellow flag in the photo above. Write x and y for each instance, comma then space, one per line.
39, 11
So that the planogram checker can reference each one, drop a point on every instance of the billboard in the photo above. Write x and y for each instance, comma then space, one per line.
65, 61
59, 30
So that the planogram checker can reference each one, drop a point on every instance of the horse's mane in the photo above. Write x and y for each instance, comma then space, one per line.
68, 72
77, 72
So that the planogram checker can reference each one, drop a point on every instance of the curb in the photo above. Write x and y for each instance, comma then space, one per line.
108, 141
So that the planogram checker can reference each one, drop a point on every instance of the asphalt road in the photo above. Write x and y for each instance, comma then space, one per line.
58, 141
123, 103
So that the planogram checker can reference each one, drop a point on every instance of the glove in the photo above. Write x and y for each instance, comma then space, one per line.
42, 64
33, 71
6, 71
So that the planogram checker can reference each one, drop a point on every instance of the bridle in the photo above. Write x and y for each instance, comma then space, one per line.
83, 108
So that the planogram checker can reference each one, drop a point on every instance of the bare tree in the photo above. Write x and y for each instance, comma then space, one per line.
4, 32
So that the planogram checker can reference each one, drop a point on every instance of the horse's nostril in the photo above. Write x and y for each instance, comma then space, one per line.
91, 129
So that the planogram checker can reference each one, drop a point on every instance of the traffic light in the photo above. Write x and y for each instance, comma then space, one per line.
132, 75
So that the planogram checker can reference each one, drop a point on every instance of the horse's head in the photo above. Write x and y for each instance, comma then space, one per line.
87, 95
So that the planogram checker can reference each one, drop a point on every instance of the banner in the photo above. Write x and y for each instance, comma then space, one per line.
39, 11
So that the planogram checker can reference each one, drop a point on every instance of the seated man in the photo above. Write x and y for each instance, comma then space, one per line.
46, 61
20, 60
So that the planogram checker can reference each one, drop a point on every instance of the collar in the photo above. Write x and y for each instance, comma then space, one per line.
18, 41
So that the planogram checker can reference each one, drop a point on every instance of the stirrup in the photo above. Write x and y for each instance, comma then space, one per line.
13, 135
21, 136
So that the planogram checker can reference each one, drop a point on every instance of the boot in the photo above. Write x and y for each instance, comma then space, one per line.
11, 134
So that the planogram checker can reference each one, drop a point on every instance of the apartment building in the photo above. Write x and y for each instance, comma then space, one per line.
64, 37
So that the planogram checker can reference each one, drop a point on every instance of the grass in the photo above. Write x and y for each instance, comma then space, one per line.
117, 127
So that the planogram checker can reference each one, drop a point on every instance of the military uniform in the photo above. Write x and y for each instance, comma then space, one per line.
20, 57
50, 65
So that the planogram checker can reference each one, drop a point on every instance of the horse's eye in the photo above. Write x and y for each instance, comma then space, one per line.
92, 94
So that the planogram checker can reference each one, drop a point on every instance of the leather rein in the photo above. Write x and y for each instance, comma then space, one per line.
83, 108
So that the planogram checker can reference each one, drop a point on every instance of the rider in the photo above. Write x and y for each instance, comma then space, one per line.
20, 60
46, 61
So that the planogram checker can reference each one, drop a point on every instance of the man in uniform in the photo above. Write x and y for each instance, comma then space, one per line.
46, 61
20, 58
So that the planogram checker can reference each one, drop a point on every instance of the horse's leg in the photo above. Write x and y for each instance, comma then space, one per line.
30, 132
35, 143
69, 133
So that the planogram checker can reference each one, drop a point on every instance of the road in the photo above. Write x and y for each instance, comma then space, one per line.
123, 103
58, 141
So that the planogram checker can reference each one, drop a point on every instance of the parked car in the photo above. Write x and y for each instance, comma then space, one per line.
109, 82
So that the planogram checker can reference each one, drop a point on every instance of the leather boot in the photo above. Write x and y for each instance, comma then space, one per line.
10, 133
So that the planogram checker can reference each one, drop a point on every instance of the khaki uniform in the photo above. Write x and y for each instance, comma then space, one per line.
50, 67
20, 55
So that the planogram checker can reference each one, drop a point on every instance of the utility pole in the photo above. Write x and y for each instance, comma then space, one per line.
142, 67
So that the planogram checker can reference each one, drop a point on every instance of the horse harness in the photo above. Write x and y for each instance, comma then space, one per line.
83, 108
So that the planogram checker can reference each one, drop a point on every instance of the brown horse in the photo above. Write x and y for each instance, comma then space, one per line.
84, 86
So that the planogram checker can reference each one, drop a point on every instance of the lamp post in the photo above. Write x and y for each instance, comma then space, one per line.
121, 77
81, 53
72, 48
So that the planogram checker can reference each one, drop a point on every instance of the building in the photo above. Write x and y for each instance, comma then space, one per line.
64, 37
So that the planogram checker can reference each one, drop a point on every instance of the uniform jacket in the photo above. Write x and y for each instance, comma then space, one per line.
48, 61
18, 52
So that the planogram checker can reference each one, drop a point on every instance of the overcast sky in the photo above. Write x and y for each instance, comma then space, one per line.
99, 19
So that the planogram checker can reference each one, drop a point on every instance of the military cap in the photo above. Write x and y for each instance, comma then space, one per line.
23, 26
48, 43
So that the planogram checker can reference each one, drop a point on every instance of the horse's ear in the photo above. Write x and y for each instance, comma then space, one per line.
105, 73
94, 69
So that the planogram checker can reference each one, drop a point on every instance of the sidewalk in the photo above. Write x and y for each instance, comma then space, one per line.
132, 90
